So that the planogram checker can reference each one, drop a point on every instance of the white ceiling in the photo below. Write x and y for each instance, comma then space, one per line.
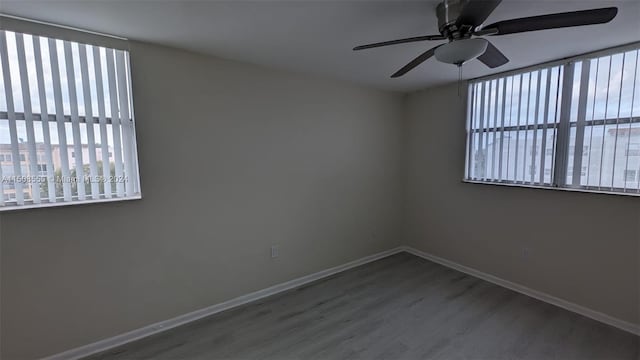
316, 36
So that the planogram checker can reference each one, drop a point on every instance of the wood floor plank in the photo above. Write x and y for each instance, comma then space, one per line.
399, 307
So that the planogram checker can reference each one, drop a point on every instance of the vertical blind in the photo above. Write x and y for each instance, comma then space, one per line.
574, 125
66, 122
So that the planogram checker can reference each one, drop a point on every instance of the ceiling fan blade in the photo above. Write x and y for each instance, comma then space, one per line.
553, 21
492, 57
475, 12
415, 62
400, 41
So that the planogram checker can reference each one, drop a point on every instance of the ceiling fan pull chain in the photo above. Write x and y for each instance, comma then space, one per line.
459, 78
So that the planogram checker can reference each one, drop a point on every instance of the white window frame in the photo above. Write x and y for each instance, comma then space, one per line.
20, 25
559, 167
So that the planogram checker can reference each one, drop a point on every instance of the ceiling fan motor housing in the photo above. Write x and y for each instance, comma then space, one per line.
448, 13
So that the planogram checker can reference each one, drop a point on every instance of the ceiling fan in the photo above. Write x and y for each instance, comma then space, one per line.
460, 22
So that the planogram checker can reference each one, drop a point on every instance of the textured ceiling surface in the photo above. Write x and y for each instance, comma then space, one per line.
316, 36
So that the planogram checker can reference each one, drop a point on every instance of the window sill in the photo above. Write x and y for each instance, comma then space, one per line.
66, 203
571, 189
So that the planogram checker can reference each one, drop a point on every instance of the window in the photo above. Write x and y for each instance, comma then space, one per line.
583, 170
630, 175
65, 107
573, 125
585, 150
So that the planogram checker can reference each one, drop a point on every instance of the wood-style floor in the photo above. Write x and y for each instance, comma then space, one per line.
400, 307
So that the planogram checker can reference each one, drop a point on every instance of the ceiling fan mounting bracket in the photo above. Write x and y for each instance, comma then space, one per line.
448, 12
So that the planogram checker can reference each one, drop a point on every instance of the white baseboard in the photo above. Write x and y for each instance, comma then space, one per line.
165, 325
595, 315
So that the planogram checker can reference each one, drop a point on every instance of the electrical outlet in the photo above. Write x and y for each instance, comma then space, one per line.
275, 251
526, 252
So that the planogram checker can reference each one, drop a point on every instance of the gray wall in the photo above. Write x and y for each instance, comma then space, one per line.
233, 158
584, 248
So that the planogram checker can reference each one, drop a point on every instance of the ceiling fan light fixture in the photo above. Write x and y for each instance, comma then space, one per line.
460, 51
